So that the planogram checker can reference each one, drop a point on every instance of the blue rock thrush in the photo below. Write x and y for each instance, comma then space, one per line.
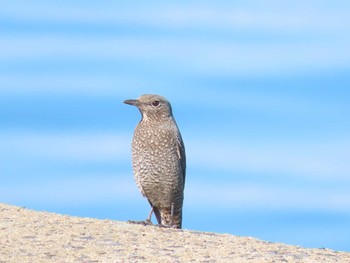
158, 160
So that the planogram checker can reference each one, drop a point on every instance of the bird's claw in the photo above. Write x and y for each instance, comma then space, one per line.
142, 222
167, 226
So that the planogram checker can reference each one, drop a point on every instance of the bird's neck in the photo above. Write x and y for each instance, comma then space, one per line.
164, 117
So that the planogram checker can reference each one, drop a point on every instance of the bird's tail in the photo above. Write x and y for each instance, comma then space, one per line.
169, 216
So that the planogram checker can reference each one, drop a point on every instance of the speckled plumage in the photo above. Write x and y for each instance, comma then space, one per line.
158, 159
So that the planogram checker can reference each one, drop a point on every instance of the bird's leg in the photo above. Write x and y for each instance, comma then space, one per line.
171, 214
148, 220
144, 222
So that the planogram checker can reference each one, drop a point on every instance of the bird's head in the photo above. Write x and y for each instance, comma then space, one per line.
152, 106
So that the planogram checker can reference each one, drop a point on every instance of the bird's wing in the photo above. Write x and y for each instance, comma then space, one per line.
182, 156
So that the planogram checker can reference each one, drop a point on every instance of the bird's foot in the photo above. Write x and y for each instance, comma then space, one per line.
146, 222
168, 226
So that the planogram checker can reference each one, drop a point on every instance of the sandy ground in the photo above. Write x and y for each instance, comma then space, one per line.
30, 236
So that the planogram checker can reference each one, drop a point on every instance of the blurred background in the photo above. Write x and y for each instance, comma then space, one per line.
260, 91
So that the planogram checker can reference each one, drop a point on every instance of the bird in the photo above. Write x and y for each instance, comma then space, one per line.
159, 160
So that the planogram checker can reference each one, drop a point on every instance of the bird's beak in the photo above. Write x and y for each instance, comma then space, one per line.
132, 102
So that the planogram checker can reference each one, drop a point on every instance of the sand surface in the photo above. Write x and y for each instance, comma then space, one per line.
31, 236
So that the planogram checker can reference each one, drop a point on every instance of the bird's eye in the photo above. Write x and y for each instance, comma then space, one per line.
155, 103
